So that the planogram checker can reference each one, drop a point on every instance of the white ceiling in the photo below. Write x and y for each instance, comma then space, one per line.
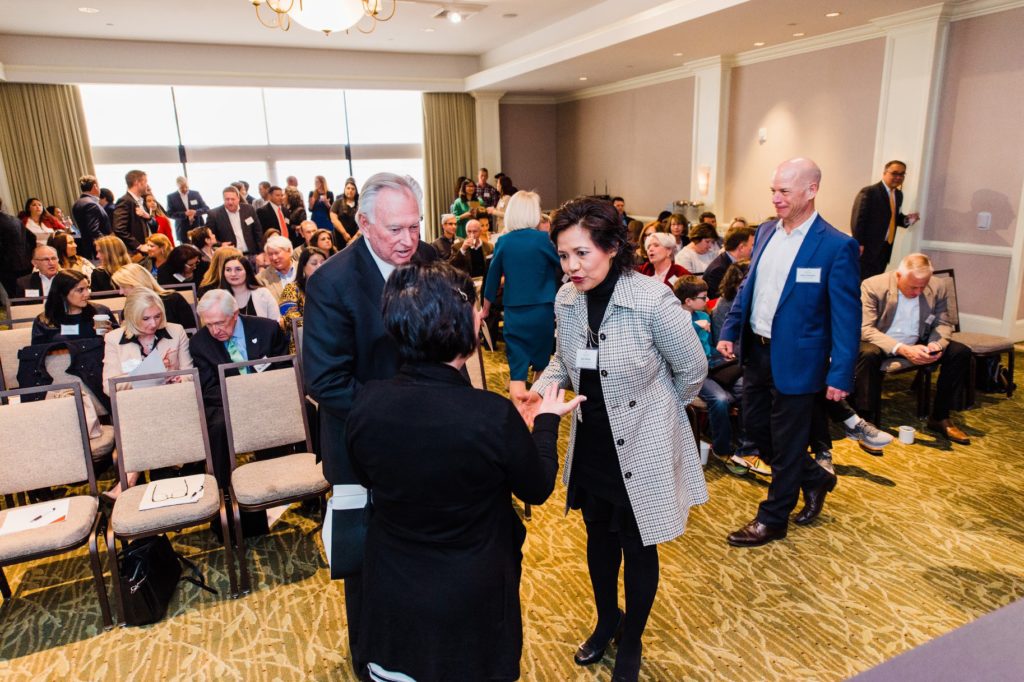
545, 49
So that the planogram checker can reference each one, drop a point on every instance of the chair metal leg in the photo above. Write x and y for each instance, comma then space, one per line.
527, 511
971, 383
1009, 366
226, 537
5, 589
924, 385
115, 575
97, 573
243, 570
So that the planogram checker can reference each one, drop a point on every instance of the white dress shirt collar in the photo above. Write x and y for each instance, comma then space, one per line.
385, 268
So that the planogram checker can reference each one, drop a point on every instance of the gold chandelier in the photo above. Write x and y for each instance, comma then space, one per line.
327, 16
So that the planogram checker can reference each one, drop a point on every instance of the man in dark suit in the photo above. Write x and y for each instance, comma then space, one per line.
876, 215
227, 337
798, 316
739, 243
14, 251
93, 222
186, 208
237, 223
272, 214
131, 221
37, 284
344, 343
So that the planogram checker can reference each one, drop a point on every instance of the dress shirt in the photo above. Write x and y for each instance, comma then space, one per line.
238, 334
184, 200
772, 271
236, 227
385, 268
906, 323
46, 283
286, 277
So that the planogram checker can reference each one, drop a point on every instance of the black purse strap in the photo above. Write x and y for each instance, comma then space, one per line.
196, 578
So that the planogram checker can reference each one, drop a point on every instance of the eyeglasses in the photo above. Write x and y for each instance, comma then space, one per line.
701, 298
48, 259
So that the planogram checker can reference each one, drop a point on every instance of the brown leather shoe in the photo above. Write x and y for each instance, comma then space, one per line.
755, 534
814, 500
948, 430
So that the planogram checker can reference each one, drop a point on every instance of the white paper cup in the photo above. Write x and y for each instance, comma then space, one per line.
907, 434
97, 323
704, 450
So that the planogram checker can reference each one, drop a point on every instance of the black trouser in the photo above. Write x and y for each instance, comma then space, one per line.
954, 364
780, 425
876, 262
826, 411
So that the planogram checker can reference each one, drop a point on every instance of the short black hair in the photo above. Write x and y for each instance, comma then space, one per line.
429, 310
55, 308
107, 194
689, 286
601, 220
179, 256
733, 278
706, 214
737, 236
614, 199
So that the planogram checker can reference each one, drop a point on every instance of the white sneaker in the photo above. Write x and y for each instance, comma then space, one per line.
869, 436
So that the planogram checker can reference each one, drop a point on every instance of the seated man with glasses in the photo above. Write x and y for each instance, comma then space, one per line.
37, 284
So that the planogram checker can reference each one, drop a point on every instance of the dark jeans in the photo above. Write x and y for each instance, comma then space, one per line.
954, 364
779, 425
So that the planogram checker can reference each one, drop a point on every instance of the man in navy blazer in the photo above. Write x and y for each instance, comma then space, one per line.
877, 212
344, 342
798, 315
92, 220
187, 209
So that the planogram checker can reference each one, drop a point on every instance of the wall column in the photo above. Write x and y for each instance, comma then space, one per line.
710, 128
488, 131
915, 50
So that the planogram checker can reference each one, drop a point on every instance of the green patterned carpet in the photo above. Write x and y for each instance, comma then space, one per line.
910, 546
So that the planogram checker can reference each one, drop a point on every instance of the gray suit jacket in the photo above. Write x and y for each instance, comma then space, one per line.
652, 366
879, 296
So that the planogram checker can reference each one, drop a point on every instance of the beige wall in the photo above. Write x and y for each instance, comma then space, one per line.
978, 145
639, 143
529, 149
823, 105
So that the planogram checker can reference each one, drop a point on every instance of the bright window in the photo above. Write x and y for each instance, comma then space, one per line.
161, 178
305, 116
210, 179
385, 117
221, 116
120, 116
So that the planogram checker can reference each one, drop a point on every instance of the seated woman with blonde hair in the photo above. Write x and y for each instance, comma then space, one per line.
112, 255
133, 277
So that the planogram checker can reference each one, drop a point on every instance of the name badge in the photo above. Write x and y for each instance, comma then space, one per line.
586, 358
248, 221
808, 275
194, 202
673, 279
69, 330
929, 319
31, 293
261, 368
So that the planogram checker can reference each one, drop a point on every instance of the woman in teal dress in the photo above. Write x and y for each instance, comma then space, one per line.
464, 208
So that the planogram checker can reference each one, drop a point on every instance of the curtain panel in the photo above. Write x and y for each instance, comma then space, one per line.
449, 150
44, 143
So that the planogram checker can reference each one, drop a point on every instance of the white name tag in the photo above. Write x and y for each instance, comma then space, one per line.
261, 368
248, 221
586, 358
69, 330
194, 202
31, 293
929, 319
808, 275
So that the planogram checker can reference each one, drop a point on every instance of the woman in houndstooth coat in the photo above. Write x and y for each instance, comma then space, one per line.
632, 467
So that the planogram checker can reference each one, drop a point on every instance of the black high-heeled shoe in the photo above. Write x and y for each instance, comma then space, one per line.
592, 650
627, 664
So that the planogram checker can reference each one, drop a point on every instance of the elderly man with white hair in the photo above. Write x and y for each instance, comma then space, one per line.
281, 270
906, 314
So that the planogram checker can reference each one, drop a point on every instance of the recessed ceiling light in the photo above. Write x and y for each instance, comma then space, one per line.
428, 30
509, 15
583, 78
677, 54
759, 44
88, 10
833, 15
799, 35
454, 17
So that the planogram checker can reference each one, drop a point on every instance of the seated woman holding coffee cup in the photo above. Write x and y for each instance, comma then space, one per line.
68, 314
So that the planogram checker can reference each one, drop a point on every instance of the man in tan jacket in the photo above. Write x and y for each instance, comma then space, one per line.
906, 315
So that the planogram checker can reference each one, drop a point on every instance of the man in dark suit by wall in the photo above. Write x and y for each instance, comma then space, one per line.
344, 343
272, 214
876, 215
237, 223
93, 222
798, 316
187, 209
14, 251
131, 221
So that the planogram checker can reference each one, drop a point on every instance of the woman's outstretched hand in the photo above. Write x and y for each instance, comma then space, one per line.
553, 401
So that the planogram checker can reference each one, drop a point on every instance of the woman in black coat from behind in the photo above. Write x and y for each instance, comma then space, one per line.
442, 460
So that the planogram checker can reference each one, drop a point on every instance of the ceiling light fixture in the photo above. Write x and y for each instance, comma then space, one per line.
583, 78
833, 15
88, 10
327, 16
455, 17
677, 54
799, 35
759, 44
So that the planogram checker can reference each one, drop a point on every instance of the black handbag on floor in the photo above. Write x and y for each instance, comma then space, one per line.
150, 570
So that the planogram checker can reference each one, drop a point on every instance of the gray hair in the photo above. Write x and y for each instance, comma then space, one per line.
217, 299
663, 238
278, 242
387, 181
447, 216
916, 264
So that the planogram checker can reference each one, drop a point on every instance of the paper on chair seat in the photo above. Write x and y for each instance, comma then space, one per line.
168, 492
35, 516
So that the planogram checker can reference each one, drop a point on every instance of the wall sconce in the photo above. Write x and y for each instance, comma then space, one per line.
703, 180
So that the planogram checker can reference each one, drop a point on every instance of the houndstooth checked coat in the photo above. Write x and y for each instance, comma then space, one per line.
652, 365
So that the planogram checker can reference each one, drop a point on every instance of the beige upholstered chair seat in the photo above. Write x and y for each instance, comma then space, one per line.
103, 444
128, 520
278, 478
980, 344
67, 533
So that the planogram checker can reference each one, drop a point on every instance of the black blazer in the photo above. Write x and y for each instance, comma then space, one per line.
30, 281
263, 339
714, 273
15, 257
176, 211
132, 228
218, 221
268, 218
344, 343
869, 225
92, 222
